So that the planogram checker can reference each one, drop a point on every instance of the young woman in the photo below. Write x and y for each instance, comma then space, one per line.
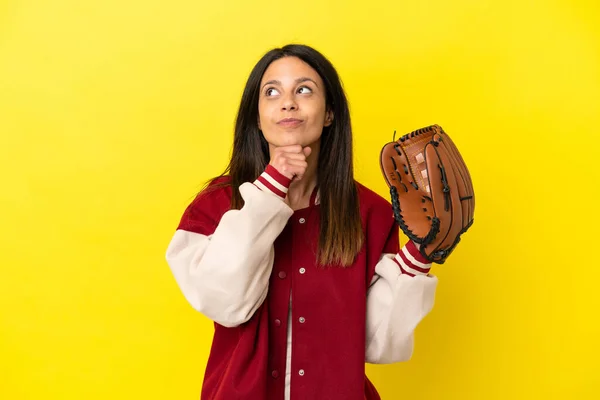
298, 265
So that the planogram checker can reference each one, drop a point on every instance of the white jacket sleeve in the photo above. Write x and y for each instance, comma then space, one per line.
225, 275
401, 294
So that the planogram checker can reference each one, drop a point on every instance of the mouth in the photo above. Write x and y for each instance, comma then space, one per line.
290, 122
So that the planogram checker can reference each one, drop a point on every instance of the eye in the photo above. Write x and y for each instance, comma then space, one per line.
308, 90
271, 92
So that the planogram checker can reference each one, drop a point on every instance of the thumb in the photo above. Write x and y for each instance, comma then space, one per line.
307, 150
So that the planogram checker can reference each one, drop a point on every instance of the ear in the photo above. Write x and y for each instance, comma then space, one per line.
328, 118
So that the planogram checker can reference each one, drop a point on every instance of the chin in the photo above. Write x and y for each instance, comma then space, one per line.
290, 138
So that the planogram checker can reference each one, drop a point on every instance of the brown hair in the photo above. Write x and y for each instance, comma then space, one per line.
341, 235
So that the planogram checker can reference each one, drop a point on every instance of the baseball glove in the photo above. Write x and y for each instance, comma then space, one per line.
431, 190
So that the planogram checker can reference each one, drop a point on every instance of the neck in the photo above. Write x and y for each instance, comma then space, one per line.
299, 192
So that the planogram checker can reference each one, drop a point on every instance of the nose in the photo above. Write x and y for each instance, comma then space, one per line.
288, 103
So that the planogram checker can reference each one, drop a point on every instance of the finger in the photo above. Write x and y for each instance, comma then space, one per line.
293, 168
307, 151
299, 175
297, 171
297, 163
293, 156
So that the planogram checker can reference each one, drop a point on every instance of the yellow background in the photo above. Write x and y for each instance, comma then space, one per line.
113, 113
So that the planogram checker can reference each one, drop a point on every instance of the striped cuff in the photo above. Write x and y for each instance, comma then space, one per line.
274, 182
411, 261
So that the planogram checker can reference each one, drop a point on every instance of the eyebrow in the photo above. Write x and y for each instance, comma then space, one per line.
298, 81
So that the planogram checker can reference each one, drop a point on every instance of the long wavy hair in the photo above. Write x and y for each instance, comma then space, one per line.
341, 235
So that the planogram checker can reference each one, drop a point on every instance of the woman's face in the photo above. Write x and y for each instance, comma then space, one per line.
291, 107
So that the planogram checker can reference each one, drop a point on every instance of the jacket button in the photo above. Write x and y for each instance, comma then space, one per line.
282, 275
302, 220
302, 320
277, 322
301, 372
275, 374
302, 270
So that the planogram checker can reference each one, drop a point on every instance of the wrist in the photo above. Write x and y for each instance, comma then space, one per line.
274, 182
411, 261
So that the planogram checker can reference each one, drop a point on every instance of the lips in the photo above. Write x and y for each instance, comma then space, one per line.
290, 122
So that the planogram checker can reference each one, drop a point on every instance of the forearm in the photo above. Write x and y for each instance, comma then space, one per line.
225, 275
401, 295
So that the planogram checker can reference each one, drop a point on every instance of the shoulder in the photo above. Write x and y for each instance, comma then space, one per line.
371, 200
217, 191
208, 206
376, 211
380, 227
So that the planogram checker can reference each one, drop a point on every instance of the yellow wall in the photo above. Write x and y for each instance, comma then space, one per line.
112, 113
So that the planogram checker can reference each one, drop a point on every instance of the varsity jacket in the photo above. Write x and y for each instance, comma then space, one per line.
287, 328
